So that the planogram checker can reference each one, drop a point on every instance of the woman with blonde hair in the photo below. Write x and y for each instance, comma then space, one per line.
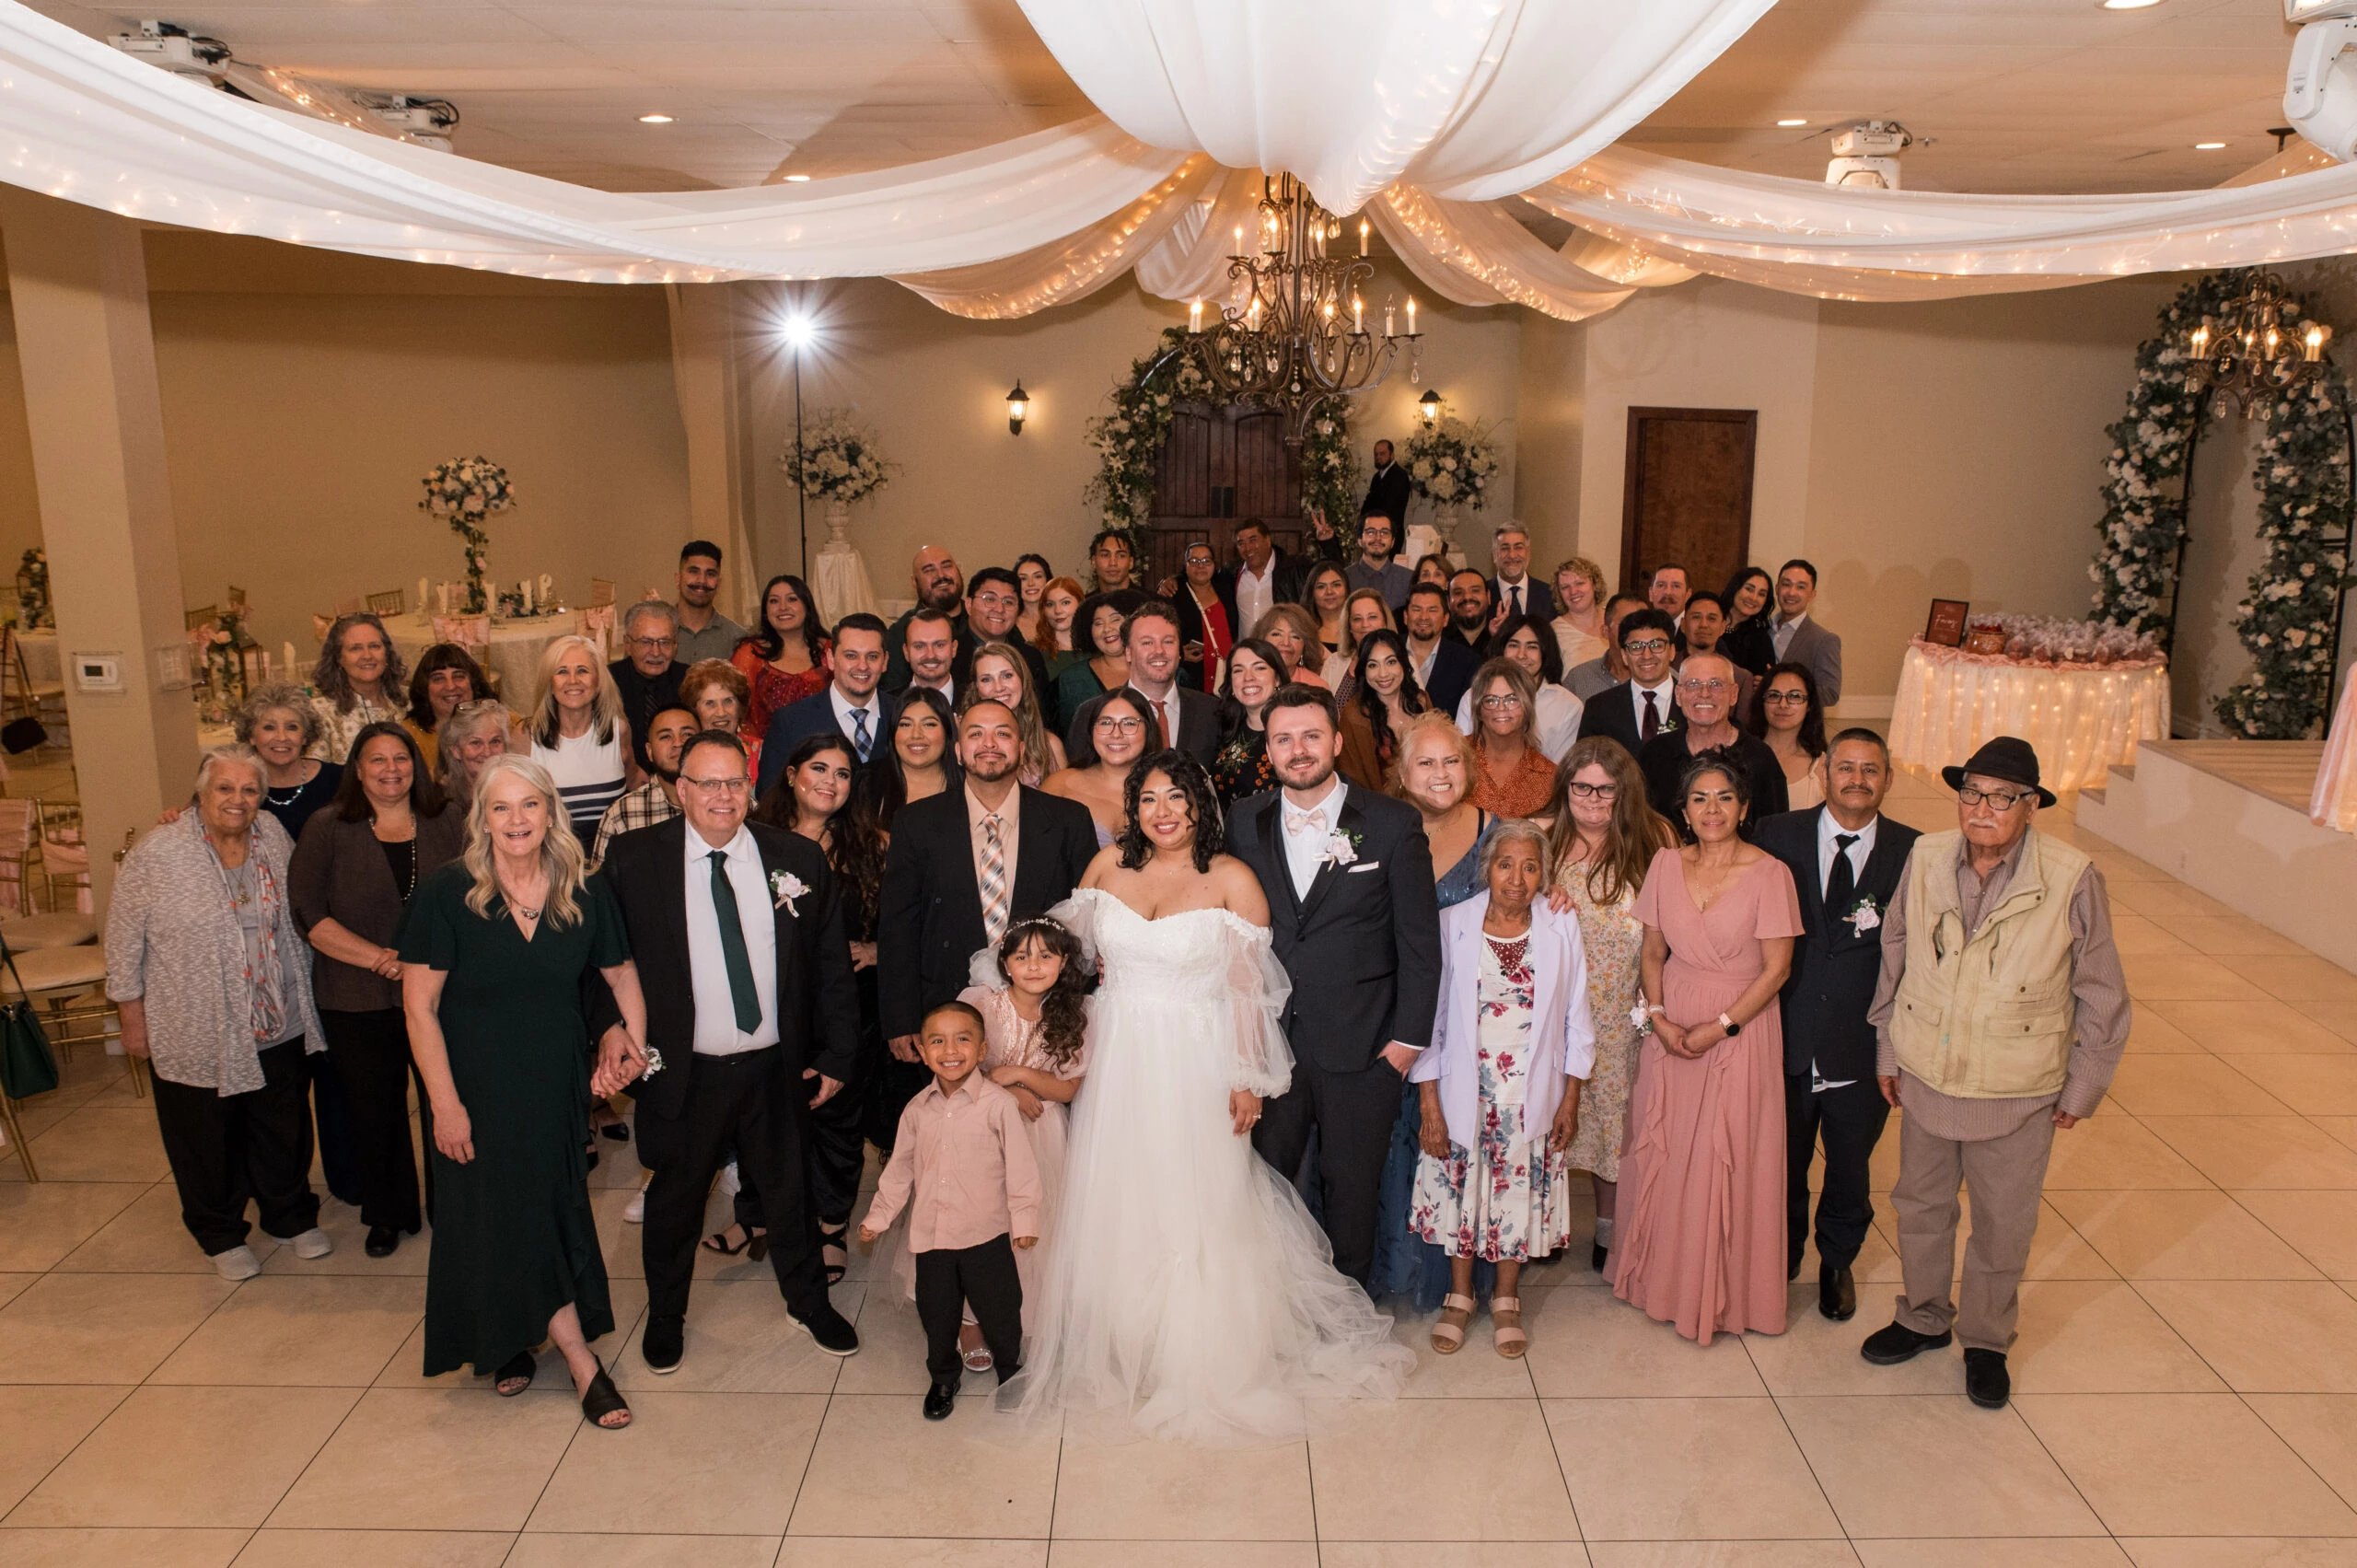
1293, 632
493, 948
1513, 776
1606, 834
1001, 675
1579, 630
473, 734
1365, 611
578, 732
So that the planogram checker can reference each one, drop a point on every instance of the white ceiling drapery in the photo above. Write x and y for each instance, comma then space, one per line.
1470, 100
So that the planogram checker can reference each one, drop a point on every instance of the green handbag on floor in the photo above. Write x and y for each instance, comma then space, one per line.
28, 1066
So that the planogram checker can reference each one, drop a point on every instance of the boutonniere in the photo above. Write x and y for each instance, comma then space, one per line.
784, 888
1864, 917
1342, 847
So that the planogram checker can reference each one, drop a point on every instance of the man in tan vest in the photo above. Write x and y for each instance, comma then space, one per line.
2000, 1017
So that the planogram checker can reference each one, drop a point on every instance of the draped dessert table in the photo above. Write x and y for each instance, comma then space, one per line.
2335, 804
2083, 720
43, 664
514, 656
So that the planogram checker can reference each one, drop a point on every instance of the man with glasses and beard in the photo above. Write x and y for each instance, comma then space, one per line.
2000, 1017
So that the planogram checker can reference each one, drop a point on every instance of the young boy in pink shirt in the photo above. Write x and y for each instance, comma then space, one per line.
962, 1167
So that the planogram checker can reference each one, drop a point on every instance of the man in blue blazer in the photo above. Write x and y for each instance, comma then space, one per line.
851, 706
1847, 860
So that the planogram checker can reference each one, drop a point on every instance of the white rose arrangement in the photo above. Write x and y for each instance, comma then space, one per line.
836, 458
1454, 463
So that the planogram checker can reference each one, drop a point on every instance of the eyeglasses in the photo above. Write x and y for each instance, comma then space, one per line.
1715, 687
1796, 698
1501, 702
1650, 645
1997, 799
652, 643
1595, 792
477, 705
737, 785
1113, 724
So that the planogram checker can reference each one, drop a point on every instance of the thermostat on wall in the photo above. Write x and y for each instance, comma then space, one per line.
98, 672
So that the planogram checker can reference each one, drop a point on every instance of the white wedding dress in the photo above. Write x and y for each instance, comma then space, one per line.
1186, 1293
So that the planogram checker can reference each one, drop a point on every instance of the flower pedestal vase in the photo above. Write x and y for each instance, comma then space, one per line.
838, 575
1444, 521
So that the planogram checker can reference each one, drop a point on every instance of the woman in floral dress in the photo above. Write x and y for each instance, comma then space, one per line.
1605, 834
1500, 1085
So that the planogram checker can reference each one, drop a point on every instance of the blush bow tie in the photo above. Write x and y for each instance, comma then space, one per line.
1303, 822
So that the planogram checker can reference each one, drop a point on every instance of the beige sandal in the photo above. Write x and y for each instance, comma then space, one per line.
1509, 1338
1449, 1334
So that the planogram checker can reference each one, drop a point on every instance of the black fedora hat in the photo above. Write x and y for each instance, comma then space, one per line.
2007, 757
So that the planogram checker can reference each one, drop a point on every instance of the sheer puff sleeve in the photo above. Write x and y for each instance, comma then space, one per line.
1257, 990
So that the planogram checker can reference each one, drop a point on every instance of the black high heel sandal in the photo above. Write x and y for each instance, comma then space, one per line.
833, 1244
602, 1400
519, 1365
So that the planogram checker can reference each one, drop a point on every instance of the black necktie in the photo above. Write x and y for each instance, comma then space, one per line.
1652, 716
1841, 887
732, 946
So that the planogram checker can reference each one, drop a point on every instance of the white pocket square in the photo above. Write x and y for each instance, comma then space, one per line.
1364, 865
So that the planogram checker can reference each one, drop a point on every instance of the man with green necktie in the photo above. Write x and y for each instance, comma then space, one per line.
751, 1018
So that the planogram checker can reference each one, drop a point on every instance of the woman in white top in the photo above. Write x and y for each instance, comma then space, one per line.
579, 734
1579, 630
1522, 639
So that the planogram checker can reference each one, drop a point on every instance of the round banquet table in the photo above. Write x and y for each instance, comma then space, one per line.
514, 656
2335, 804
43, 664
2082, 720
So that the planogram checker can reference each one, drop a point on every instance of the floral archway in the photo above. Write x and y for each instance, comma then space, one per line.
2303, 479
1128, 441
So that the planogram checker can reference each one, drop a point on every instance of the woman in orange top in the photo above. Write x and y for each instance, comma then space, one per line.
1513, 778
786, 659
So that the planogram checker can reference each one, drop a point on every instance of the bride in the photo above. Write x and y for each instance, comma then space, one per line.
1186, 1293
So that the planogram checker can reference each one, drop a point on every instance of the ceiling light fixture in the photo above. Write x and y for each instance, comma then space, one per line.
797, 180
655, 120
2254, 348
1791, 122
2208, 147
2128, 4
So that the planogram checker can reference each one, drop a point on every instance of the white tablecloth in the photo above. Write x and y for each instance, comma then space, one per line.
838, 581
514, 656
2082, 720
2335, 804
43, 664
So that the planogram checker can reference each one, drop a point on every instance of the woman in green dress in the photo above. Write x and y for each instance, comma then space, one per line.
493, 951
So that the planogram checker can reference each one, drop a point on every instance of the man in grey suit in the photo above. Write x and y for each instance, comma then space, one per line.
1799, 639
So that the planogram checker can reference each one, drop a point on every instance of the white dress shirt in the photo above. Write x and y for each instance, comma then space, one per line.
1306, 845
1826, 829
717, 1031
1255, 596
1780, 631
1665, 710
1514, 595
844, 707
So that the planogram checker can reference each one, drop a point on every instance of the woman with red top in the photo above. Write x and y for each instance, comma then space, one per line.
1512, 776
786, 658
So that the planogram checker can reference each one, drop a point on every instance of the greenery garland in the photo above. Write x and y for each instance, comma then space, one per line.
1129, 444
2301, 476
2302, 481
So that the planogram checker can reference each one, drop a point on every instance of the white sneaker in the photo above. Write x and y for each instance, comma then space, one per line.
312, 1243
634, 1212
238, 1263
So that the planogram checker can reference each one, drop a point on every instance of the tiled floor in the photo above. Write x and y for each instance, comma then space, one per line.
2186, 1378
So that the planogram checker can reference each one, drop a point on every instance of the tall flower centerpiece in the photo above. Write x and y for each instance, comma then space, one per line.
836, 461
467, 491
1453, 463
33, 611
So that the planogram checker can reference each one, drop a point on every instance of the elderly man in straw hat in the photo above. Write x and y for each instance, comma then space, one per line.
2000, 1017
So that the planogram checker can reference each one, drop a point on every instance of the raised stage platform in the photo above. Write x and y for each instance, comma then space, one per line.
2230, 819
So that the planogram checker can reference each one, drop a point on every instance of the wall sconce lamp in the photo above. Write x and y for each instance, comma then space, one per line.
1019, 405
1429, 406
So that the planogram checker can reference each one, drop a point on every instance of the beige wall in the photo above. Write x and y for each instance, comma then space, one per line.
934, 388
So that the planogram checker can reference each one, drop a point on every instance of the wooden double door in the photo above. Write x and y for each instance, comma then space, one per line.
1686, 494
1219, 466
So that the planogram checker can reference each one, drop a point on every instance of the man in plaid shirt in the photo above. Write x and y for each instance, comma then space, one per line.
657, 800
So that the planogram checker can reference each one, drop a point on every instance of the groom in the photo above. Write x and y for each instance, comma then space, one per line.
1356, 923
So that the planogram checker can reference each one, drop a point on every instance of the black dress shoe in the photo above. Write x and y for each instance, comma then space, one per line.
663, 1343
1836, 1292
1792, 1268
1986, 1381
940, 1400
382, 1240
1597, 1255
1895, 1342
833, 1332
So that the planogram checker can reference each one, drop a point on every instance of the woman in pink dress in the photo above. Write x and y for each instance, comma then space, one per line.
1700, 1240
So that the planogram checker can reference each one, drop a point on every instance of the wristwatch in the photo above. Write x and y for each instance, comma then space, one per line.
1730, 1026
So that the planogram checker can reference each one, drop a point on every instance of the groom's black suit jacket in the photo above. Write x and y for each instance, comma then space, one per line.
817, 1004
1835, 965
929, 917
1364, 946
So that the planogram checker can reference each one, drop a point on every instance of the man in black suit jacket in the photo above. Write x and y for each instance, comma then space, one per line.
1356, 925
748, 977
931, 918
1264, 576
1514, 588
1151, 639
1445, 664
851, 706
1847, 860
1388, 491
993, 601
1648, 642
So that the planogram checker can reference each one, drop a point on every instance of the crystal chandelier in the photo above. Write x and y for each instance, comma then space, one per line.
2250, 351
1293, 336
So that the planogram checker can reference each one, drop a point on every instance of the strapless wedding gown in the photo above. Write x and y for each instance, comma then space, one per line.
1186, 1293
